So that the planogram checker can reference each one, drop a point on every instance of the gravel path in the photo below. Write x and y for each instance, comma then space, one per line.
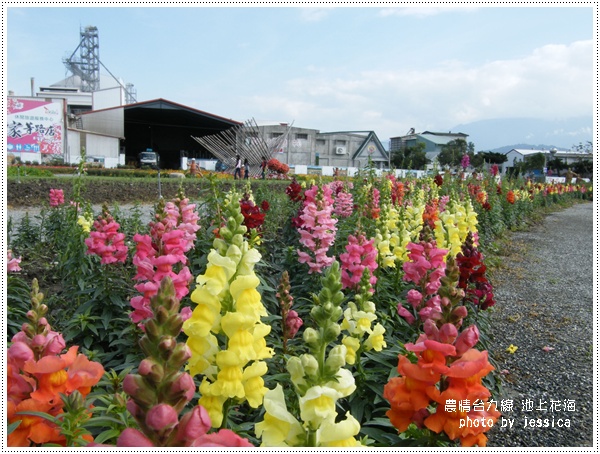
544, 292
18, 213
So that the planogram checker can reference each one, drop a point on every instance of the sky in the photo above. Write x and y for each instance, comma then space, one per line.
382, 69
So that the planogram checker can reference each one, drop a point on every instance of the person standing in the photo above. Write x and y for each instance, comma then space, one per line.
192, 167
237, 173
246, 169
263, 168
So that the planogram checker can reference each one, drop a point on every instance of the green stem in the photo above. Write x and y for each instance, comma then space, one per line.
311, 440
226, 408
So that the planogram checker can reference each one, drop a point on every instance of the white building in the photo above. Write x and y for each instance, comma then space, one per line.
568, 157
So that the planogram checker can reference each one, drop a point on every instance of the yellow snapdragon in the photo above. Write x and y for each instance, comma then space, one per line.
225, 334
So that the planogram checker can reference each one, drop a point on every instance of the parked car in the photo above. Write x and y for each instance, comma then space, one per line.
95, 161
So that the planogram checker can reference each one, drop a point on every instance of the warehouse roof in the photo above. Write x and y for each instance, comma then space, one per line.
161, 112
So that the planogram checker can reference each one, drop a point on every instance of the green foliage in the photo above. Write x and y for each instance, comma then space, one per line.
411, 158
18, 303
452, 153
27, 171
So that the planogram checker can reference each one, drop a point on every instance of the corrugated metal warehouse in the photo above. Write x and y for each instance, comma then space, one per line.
159, 124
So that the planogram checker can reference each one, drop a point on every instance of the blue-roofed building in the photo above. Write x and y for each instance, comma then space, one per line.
434, 141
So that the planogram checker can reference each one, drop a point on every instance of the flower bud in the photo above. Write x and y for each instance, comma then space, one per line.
237, 240
131, 384
133, 438
193, 424
296, 370
459, 312
336, 359
225, 233
184, 385
162, 417
181, 353
448, 333
311, 337
151, 369
466, 340
331, 332
54, 343
167, 344
134, 409
310, 365
38, 340
135, 387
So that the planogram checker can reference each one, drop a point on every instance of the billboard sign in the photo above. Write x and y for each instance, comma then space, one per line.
35, 126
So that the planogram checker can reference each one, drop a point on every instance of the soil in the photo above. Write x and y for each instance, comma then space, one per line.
33, 192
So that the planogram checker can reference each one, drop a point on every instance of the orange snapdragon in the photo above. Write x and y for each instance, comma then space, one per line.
38, 374
448, 373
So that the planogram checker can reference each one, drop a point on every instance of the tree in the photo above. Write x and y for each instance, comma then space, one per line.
492, 157
477, 160
452, 153
412, 158
587, 147
584, 168
557, 165
534, 162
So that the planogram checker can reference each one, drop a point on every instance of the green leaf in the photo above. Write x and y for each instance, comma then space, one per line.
12, 427
41, 414
107, 435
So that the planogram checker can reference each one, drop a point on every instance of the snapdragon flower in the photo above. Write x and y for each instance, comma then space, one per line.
12, 265
320, 380
226, 337
38, 373
57, 197
105, 240
317, 228
163, 254
360, 255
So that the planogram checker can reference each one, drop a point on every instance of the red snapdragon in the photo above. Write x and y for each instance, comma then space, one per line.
294, 191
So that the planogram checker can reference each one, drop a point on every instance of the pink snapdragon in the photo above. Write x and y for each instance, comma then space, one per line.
12, 264
161, 389
57, 197
162, 254
317, 229
343, 206
360, 254
106, 241
465, 161
425, 269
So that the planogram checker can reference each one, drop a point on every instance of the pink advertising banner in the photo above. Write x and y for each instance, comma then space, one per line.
34, 126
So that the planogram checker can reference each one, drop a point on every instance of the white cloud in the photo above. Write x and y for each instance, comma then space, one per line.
314, 14
552, 82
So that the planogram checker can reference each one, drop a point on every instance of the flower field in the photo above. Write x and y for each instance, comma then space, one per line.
341, 313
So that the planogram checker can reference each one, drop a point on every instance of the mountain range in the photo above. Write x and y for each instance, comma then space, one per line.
504, 134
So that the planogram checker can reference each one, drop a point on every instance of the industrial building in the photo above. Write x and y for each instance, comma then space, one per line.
302, 146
